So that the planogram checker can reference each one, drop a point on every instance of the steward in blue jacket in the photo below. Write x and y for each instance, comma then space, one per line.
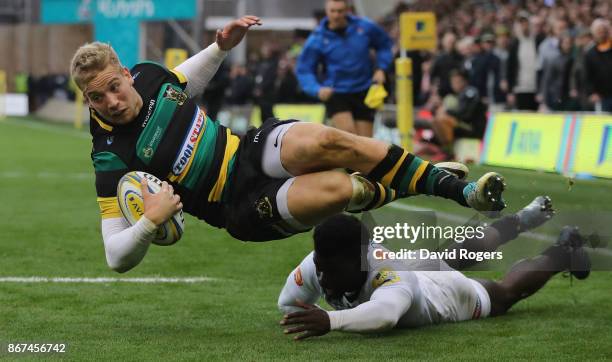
336, 66
345, 55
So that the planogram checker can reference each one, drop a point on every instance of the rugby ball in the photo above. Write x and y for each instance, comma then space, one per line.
131, 205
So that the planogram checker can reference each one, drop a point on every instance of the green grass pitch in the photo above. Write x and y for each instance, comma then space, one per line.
49, 227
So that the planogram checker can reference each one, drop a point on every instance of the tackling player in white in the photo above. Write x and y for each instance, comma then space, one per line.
386, 294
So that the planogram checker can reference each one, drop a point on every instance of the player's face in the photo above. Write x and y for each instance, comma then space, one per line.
336, 13
339, 275
112, 95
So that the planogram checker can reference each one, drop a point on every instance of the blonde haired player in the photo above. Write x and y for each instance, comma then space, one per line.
275, 181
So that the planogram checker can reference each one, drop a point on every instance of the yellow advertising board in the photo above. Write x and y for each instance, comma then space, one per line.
303, 112
174, 56
418, 31
592, 146
526, 140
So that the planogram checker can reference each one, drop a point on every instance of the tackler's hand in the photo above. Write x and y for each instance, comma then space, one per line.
313, 321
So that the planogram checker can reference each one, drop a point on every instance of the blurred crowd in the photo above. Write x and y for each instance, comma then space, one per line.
268, 78
525, 55
546, 55
536, 55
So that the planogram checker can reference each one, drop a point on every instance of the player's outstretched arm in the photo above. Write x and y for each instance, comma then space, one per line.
380, 313
200, 68
300, 288
126, 246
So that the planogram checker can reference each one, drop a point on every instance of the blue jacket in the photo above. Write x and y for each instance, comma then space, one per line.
347, 61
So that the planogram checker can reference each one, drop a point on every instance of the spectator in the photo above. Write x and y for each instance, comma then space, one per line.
556, 77
538, 28
522, 71
241, 85
265, 79
484, 74
213, 95
599, 65
463, 114
342, 43
287, 86
447, 60
502, 51
578, 79
548, 52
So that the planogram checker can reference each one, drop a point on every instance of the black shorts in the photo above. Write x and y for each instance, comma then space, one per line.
350, 102
250, 210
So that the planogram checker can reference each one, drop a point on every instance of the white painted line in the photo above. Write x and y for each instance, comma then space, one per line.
144, 280
47, 175
441, 215
49, 127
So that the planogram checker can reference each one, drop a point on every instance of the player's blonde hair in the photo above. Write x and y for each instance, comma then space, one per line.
89, 60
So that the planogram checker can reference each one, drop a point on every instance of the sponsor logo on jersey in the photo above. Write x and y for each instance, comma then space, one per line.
190, 143
175, 95
149, 112
385, 276
297, 276
256, 138
148, 150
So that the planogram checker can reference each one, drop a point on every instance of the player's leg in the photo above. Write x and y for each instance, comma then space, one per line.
312, 198
344, 121
363, 115
364, 128
308, 147
528, 276
501, 231
308, 199
338, 109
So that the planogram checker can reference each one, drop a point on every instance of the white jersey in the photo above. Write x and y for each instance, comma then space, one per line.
392, 294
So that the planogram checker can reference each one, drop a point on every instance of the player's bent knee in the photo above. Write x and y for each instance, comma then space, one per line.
336, 189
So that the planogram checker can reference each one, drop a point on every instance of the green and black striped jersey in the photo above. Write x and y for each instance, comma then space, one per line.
171, 138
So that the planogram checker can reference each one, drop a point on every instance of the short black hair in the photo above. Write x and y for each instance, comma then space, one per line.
340, 235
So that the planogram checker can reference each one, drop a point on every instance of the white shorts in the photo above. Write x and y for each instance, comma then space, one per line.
272, 166
454, 296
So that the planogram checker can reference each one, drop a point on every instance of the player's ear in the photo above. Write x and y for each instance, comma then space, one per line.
126, 73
